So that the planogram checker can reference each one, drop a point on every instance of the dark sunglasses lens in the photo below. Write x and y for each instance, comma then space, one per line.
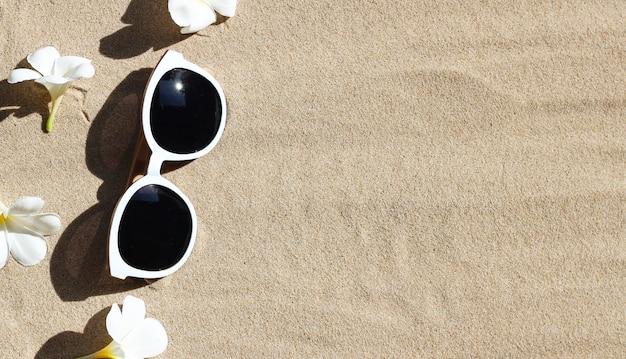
155, 229
186, 111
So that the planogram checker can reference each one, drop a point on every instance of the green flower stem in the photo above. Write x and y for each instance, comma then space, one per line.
53, 112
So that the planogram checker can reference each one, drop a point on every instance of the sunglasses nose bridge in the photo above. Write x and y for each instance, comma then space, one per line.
154, 165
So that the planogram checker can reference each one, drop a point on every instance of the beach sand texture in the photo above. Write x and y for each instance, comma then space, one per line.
397, 179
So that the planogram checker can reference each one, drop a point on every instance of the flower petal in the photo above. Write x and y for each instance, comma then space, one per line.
200, 23
224, 7
4, 244
53, 79
148, 339
120, 322
182, 11
83, 71
192, 15
26, 205
43, 59
115, 323
56, 85
133, 310
66, 66
19, 75
45, 224
27, 247
3, 207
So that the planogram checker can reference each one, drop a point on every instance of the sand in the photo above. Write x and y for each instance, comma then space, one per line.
397, 179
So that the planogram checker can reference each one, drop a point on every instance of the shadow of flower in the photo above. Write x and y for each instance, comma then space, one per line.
71, 344
22, 99
149, 26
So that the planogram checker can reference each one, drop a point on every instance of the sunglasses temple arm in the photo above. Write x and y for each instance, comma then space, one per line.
141, 157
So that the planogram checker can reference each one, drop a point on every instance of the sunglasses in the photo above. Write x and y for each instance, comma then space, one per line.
153, 227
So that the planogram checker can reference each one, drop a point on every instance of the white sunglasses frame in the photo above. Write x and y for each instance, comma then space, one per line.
117, 266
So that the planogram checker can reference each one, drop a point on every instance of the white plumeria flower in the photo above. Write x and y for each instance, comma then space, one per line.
134, 335
195, 15
22, 231
56, 73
